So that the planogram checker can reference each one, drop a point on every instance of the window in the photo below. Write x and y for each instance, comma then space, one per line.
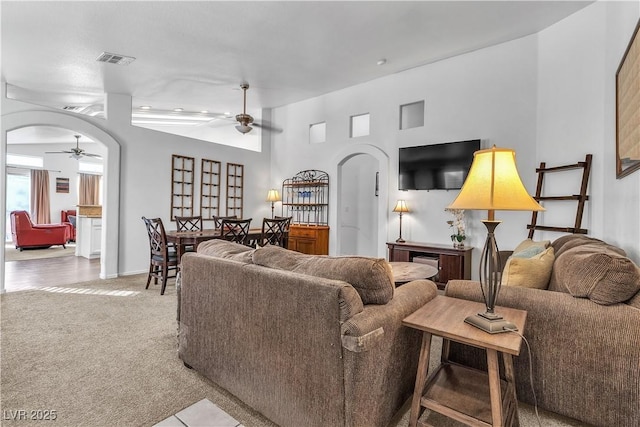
20, 160
18, 195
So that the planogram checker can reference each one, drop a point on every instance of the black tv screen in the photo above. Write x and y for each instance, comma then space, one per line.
436, 167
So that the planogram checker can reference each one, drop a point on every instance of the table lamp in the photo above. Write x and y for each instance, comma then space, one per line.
401, 207
273, 196
493, 184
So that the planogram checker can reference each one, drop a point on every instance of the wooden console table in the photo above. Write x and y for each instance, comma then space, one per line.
452, 263
468, 395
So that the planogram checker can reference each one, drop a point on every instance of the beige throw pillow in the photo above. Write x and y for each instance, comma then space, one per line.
531, 272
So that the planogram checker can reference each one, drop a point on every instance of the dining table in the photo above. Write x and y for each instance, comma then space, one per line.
182, 239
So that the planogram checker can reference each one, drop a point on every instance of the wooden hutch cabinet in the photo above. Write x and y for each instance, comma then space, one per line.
452, 263
305, 198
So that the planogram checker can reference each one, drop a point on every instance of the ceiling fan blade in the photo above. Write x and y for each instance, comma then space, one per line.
268, 126
97, 156
58, 152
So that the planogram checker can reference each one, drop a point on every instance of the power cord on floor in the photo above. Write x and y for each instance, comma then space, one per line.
535, 399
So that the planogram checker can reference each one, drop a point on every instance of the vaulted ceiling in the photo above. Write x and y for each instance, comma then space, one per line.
194, 55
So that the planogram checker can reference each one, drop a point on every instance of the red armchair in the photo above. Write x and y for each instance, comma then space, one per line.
26, 234
68, 217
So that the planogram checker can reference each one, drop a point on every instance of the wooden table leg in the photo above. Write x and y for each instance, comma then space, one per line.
421, 379
494, 387
511, 384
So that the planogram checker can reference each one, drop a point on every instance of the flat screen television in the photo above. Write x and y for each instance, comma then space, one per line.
437, 166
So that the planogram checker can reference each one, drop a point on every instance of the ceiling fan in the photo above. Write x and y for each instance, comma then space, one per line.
244, 119
246, 122
77, 152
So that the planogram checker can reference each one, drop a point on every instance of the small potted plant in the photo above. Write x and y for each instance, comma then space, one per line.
458, 235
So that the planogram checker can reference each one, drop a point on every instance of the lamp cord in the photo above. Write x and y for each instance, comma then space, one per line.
535, 399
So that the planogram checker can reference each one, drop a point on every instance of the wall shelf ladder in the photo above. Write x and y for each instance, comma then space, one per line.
580, 198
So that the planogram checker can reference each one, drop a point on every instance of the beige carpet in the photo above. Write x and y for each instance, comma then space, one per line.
103, 353
13, 254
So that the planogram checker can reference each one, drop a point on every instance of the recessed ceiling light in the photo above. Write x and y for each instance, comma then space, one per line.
227, 113
381, 61
177, 110
204, 111
145, 107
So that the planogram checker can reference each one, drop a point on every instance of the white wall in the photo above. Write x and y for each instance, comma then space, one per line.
489, 94
578, 59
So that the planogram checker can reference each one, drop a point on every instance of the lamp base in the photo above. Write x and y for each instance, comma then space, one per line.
491, 323
400, 240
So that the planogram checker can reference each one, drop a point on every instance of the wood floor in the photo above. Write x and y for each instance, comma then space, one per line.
35, 273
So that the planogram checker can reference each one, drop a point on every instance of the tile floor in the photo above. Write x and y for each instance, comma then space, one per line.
200, 414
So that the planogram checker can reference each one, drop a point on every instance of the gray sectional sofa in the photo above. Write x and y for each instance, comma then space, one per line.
305, 340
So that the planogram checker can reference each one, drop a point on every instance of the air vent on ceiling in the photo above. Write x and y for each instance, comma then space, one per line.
113, 58
73, 108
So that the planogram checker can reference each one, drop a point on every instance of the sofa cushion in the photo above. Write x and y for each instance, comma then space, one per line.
371, 277
531, 272
597, 271
570, 241
221, 248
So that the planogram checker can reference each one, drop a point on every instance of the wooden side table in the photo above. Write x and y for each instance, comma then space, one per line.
468, 395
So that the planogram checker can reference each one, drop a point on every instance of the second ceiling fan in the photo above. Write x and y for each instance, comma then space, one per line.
77, 152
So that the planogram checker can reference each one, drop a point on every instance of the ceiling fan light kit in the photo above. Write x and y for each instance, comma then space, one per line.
244, 119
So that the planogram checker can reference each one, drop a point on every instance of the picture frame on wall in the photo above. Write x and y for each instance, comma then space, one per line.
62, 185
628, 109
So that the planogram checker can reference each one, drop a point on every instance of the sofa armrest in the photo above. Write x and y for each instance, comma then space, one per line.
406, 299
582, 353
382, 367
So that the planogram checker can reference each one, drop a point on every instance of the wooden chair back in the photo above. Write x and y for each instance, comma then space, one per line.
274, 231
235, 230
217, 220
188, 223
163, 257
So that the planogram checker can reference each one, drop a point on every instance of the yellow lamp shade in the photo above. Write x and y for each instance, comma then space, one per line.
401, 206
273, 196
493, 183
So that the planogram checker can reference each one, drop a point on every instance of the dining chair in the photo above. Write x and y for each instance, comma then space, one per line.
163, 256
217, 220
285, 240
188, 223
235, 230
273, 231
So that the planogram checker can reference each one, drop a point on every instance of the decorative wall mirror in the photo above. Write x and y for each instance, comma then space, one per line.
628, 109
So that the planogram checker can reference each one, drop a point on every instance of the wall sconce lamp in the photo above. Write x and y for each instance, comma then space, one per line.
493, 184
273, 196
401, 207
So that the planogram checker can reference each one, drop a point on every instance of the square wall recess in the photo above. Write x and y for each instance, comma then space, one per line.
360, 125
412, 115
318, 133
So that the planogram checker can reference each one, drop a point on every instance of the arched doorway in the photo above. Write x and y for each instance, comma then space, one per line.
363, 160
358, 216
111, 207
